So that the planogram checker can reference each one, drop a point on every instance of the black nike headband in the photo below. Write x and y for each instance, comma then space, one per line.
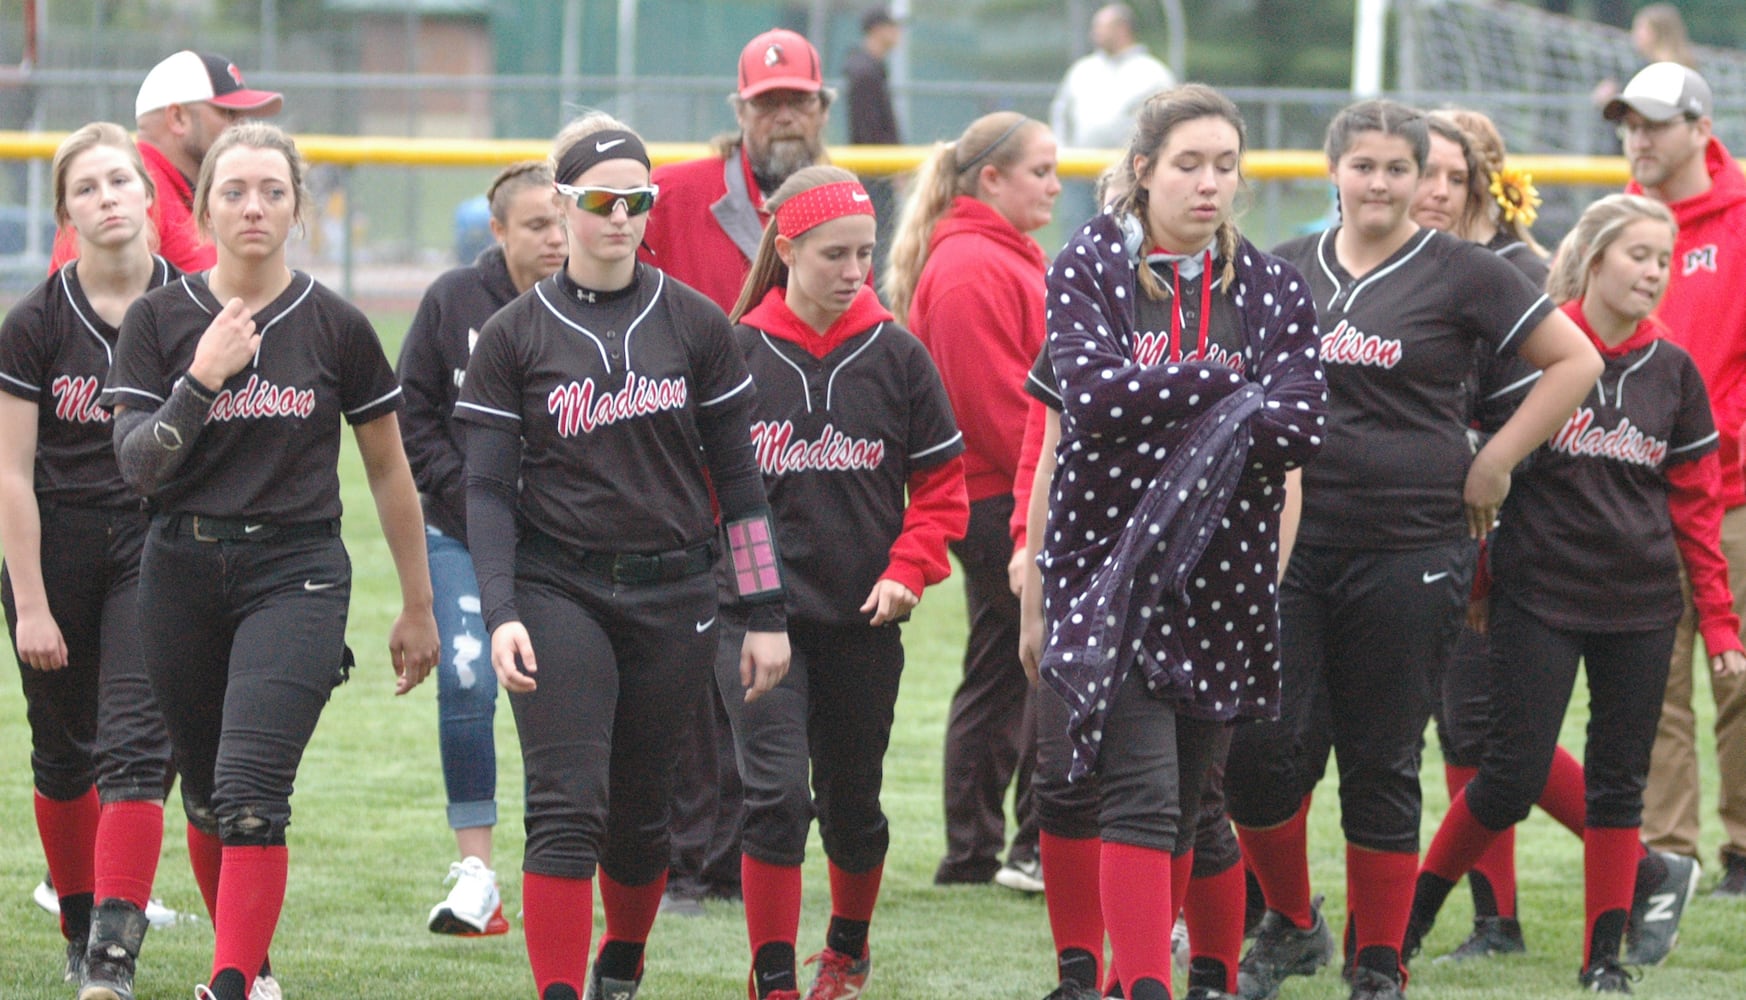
598, 147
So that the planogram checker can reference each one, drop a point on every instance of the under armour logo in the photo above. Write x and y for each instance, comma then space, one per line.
773, 55
1701, 259
585, 295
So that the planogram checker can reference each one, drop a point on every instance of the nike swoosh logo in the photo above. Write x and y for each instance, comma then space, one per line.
312, 585
861, 197
701, 626
1434, 577
249, 529
601, 147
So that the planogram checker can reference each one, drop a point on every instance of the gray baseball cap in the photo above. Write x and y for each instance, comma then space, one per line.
1662, 92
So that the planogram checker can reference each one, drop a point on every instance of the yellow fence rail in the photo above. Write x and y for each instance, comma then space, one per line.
1258, 165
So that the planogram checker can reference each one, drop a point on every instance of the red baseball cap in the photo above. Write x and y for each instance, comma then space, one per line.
779, 59
190, 76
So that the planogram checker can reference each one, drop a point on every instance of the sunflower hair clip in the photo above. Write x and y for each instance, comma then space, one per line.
1515, 193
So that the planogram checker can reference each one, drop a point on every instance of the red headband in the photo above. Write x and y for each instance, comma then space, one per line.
822, 204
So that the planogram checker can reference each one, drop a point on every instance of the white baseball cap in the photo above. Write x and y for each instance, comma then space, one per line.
1662, 92
189, 76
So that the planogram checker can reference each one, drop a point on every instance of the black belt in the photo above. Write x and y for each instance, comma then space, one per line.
232, 529
660, 567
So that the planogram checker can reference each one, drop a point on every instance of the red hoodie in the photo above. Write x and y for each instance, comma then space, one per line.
978, 308
1704, 307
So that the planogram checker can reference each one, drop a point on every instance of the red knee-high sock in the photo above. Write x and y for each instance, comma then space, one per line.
1460, 841
1565, 797
1071, 895
1609, 867
1215, 920
630, 909
772, 894
1181, 872
130, 835
251, 891
1134, 883
1494, 875
69, 841
853, 895
1379, 892
206, 857
1279, 857
557, 920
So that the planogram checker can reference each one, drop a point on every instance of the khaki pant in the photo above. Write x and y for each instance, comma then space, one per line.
1670, 804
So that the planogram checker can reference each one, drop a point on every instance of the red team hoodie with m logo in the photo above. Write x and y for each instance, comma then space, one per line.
1704, 309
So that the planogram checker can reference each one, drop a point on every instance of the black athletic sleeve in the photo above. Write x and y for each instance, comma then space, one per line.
1040, 383
493, 466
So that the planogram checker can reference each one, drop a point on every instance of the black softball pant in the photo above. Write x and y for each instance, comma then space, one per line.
94, 719
1070, 809
245, 642
1151, 772
620, 668
1461, 699
834, 708
1360, 633
991, 727
1532, 671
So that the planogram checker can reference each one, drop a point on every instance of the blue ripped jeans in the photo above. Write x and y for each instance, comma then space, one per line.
466, 686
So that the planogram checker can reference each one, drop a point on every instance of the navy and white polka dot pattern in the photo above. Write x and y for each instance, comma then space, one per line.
1162, 546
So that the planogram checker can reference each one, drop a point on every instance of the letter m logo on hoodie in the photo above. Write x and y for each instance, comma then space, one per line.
1700, 259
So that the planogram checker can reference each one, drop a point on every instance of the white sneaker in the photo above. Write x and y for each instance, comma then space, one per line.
1021, 876
44, 895
266, 988
1180, 953
160, 915
474, 908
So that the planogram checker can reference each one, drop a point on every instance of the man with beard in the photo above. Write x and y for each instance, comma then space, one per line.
704, 230
709, 216
183, 104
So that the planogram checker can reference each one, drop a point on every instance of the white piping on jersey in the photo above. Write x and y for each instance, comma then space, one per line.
1378, 274
1701, 442
1031, 379
1619, 385
34, 389
1518, 327
806, 397
731, 393
379, 399
67, 290
138, 392
949, 442
830, 383
1513, 386
262, 342
660, 283
551, 307
486, 409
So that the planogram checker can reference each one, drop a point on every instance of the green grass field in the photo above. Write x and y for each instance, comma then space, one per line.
369, 848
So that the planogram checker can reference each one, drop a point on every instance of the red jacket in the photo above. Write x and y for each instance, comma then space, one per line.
1704, 307
978, 308
704, 231
172, 214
